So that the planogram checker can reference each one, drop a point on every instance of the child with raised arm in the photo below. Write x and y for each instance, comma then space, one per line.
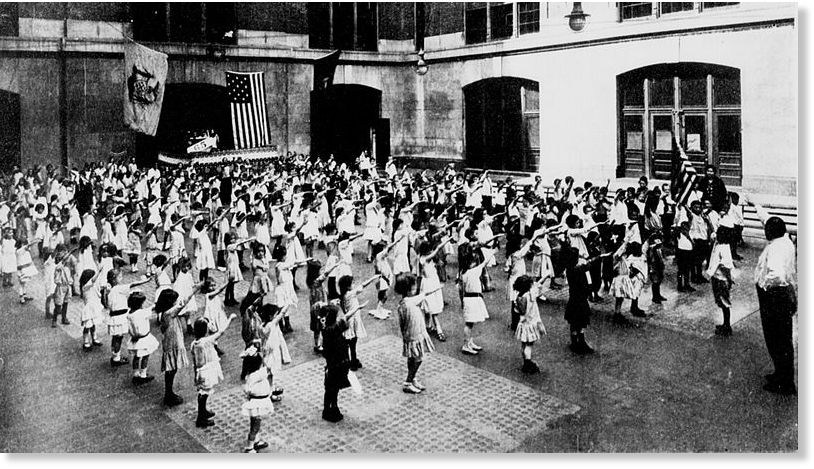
350, 302
474, 309
170, 310
431, 290
629, 280
381, 267
142, 342
417, 342
214, 311
206, 361
118, 294
720, 269
25, 268
257, 390
529, 325
91, 291
334, 325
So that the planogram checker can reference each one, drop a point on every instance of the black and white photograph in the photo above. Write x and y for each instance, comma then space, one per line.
423, 228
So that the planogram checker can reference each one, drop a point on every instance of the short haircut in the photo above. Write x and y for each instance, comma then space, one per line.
404, 284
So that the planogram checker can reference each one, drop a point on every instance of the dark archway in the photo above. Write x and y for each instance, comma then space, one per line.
708, 99
502, 124
345, 120
9, 130
188, 108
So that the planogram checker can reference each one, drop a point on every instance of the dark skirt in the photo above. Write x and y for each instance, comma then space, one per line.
578, 313
336, 378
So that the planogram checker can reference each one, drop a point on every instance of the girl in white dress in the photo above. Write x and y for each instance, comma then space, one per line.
204, 256
474, 309
214, 309
631, 272
90, 287
350, 302
529, 326
142, 342
374, 223
431, 286
25, 268
8, 256
285, 296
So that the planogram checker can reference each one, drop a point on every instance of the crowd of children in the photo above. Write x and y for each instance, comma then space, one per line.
283, 211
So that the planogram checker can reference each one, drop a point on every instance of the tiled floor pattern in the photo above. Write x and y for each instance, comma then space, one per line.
464, 409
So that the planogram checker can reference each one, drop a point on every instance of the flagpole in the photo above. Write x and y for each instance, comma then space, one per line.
63, 92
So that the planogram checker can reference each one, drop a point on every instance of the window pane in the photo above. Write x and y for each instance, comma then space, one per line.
726, 91
636, 10
729, 134
661, 92
674, 7
633, 93
366, 26
528, 17
695, 129
343, 25
9, 19
532, 131
663, 130
476, 25
220, 23
319, 25
149, 21
719, 4
502, 20
693, 91
185, 22
531, 99
633, 133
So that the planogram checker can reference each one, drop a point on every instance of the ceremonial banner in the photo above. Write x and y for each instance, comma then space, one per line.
145, 75
247, 99
324, 68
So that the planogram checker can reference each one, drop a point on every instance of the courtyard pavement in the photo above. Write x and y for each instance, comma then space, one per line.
667, 384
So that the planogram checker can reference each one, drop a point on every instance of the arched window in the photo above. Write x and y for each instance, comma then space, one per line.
502, 124
709, 100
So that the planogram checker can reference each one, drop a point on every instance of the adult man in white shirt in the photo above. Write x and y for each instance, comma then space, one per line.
775, 280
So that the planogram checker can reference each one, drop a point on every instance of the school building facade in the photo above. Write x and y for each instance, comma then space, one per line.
586, 89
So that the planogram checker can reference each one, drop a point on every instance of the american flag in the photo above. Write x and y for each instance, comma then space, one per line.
684, 176
247, 99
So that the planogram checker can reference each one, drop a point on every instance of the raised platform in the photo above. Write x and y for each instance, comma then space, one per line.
218, 157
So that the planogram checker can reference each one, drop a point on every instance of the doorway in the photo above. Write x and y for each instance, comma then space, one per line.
708, 99
345, 121
502, 124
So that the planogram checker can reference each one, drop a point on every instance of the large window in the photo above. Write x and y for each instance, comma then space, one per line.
634, 10
494, 21
476, 22
342, 25
665, 8
528, 17
502, 19
706, 5
184, 22
706, 101
631, 10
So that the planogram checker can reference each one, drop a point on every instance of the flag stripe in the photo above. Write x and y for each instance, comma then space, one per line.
263, 117
248, 106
